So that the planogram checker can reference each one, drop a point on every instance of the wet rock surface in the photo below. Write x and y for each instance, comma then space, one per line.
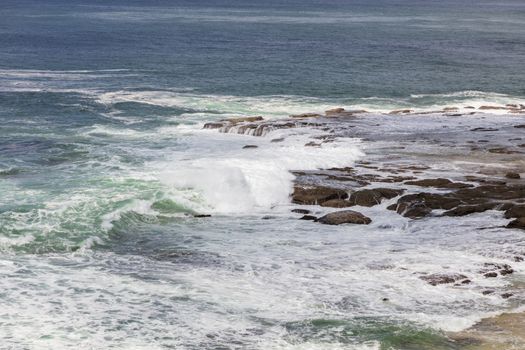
316, 195
344, 217
438, 278
445, 173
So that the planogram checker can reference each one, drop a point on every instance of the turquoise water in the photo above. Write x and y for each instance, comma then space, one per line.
103, 162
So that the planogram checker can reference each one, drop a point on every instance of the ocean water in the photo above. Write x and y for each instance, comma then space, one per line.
103, 162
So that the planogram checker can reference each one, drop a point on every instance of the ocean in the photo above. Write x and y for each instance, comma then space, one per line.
104, 164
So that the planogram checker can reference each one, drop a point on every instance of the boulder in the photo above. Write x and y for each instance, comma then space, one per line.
316, 195
345, 217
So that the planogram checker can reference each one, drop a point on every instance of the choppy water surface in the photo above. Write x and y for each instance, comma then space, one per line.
103, 161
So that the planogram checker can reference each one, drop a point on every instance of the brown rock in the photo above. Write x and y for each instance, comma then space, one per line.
512, 175
316, 195
337, 203
308, 217
345, 217
516, 211
414, 210
213, 125
493, 192
244, 120
334, 111
371, 197
439, 183
463, 210
518, 223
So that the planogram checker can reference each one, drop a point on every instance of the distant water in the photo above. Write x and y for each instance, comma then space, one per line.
102, 158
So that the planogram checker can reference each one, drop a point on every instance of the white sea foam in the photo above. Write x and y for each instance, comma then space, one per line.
283, 105
233, 180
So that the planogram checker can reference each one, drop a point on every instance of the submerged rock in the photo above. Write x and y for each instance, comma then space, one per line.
401, 111
345, 217
305, 115
438, 278
301, 211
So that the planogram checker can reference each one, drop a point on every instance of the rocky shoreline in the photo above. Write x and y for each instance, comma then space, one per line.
414, 186
441, 164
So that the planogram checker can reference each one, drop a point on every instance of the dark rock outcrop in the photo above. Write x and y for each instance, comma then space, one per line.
337, 203
463, 210
512, 175
439, 278
439, 183
345, 217
516, 211
301, 211
316, 195
518, 223
371, 197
